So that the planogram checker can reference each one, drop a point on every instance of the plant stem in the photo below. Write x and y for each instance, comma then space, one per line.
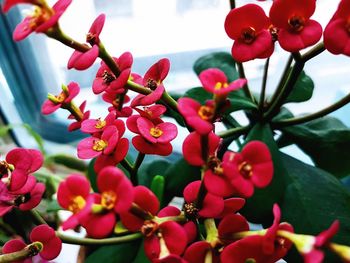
38, 219
234, 132
282, 80
29, 251
313, 116
126, 164
135, 168
232, 4
245, 87
263, 87
286, 90
201, 193
92, 241
316, 50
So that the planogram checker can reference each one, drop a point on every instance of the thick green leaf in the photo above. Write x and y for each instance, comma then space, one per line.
177, 176
302, 90
114, 253
220, 60
53, 206
314, 199
326, 141
151, 169
258, 208
157, 187
141, 256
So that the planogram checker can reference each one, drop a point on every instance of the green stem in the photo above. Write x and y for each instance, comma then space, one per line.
126, 164
245, 87
38, 219
232, 4
234, 132
168, 100
29, 251
294, 121
288, 87
282, 80
201, 193
316, 50
263, 87
211, 230
92, 241
133, 174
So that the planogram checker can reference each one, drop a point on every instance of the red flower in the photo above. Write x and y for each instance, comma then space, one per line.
199, 251
248, 26
192, 148
215, 81
72, 194
15, 245
252, 167
53, 103
41, 20
8, 4
94, 146
83, 60
18, 165
295, 28
153, 80
336, 34
105, 79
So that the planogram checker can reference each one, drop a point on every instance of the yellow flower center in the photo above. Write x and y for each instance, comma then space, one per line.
155, 132
61, 97
296, 23
220, 85
76, 204
248, 35
206, 113
39, 16
100, 124
108, 199
246, 169
99, 145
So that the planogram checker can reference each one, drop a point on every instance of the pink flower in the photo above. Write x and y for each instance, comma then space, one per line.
77, 124
18, 165
295, 28
83, 60
99, 125
8, 4
44, 234
115, 100
215, 81
72, 194
105, 80
41, 20
251, 167
153, 80
199, 117
336, 34
248, 26
53, 103
94, 146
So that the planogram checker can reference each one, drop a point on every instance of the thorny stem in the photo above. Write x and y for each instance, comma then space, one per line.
29, 251
313, 116
234, 131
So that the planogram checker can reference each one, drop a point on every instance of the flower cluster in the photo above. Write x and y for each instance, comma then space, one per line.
114, 201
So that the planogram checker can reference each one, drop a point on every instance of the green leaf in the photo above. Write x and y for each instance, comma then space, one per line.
141, 256
114, 253
157, 187
177, 176
326, 141
91, 174
303, 89
4, 130
258, 208
220, 60
314, 199
151, 169
53, 206
68, 161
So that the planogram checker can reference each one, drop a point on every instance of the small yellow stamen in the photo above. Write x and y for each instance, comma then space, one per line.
246, 169
206, 113
155, 132
108, 199
100, 124
99, 145
77, 204
220, 85
38, 17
